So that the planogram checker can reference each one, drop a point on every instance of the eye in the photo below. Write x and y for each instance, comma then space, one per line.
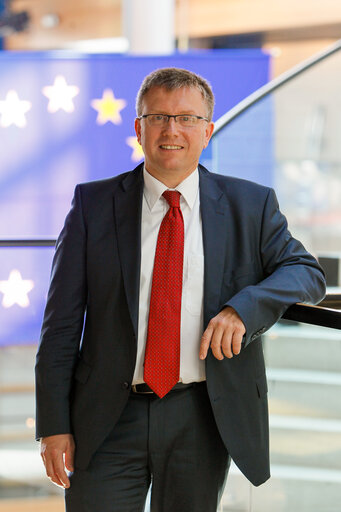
158, 117
185, 119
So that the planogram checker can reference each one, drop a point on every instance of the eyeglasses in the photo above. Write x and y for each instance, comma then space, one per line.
163, 119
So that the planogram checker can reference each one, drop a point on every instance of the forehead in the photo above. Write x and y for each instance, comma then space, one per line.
183, 99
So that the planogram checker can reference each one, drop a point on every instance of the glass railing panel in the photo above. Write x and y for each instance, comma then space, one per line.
304, 376
244, 148
24, 278
23, 483
291, 139
308, 154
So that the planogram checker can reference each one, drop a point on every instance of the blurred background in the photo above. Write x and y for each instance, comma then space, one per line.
69, 73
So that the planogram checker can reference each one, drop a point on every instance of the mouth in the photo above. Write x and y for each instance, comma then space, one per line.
170, 147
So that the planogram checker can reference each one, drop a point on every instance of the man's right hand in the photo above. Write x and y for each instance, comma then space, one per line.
57, 453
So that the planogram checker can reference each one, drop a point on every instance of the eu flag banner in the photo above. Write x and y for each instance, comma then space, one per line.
24, 280
65, 119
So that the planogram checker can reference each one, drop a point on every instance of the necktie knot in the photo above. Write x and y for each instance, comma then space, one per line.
172, 197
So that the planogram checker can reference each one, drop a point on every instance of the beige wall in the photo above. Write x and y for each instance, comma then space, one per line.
286, 55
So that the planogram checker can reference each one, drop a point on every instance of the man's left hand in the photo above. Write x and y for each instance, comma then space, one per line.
224, 334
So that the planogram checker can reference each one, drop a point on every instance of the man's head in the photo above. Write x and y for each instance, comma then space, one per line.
176, 78
172, 145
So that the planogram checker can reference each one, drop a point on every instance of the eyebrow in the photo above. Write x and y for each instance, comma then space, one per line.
190, 112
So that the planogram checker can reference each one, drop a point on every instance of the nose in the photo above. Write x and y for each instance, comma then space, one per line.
171, 127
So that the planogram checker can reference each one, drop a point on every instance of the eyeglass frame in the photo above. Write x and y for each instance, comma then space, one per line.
175, 116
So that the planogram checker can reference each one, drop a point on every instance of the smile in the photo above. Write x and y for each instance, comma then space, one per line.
167, 146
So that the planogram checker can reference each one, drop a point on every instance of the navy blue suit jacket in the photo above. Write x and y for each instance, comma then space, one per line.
86, 357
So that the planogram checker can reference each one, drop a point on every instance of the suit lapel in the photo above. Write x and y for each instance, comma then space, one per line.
128, 208
214, 212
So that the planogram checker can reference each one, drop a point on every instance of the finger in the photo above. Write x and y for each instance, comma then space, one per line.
55, 466
237, 342
60, 474
51, 473
42, 455
216, 343
56, 480
226, 344
205, 341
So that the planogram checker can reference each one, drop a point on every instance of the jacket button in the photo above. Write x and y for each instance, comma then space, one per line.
125, 385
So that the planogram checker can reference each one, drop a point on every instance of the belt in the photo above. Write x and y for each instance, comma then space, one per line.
144, 389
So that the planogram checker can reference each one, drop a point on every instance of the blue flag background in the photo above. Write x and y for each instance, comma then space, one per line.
66, 119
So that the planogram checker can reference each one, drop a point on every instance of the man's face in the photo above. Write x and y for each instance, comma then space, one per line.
173, 151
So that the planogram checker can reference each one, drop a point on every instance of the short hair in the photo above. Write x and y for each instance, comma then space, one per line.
176, 78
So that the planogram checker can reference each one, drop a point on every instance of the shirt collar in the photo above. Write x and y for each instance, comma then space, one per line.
153, 188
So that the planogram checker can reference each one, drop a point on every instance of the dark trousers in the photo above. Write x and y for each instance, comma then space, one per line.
172, 443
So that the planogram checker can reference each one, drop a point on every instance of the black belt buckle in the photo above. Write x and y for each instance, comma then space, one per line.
142, 389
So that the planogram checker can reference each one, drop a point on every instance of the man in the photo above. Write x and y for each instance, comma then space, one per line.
174, 273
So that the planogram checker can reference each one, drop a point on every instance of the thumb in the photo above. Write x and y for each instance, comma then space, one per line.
205, 342
69, 457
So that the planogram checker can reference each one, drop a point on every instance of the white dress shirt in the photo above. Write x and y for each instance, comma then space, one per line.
154, 208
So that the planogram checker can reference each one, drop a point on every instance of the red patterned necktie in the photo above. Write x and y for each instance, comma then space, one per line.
162, 358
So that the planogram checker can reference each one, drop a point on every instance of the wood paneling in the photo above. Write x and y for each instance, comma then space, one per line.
90, 19
218, 17
78, 19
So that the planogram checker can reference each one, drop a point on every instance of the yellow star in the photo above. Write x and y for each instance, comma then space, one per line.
15, 290
108, 108
137, 153
60, 95
13, 110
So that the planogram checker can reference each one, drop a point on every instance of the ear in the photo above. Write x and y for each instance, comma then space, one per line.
208, 133
138, 129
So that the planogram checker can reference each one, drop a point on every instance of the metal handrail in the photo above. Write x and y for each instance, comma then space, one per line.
314, 315
332, 300
273, 85
321, 315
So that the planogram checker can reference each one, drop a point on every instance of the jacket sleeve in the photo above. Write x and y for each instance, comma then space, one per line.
292, 275
62, 325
